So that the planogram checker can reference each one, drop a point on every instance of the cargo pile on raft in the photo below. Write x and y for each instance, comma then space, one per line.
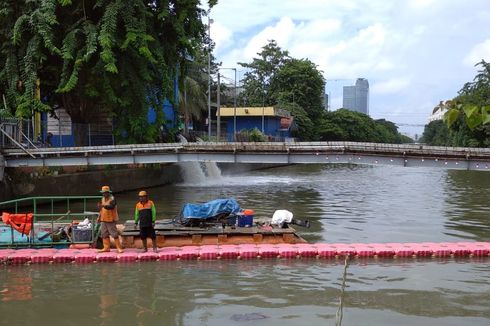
34, 222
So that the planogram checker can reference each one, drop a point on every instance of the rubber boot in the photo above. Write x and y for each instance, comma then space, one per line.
118, 245
145, 244
107, 245
154, 242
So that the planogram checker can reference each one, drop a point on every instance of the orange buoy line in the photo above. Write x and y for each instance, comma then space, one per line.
251, 251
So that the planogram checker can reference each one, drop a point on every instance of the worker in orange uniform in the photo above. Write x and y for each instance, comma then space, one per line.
108, 217
146, 214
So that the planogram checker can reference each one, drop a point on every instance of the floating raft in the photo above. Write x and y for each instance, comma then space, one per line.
247, 251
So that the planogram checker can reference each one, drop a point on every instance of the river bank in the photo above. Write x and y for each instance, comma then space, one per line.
26, 182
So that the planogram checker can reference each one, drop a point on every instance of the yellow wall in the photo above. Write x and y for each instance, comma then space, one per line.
248, 111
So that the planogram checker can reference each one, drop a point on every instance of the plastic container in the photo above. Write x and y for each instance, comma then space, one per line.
246, 218
81, 235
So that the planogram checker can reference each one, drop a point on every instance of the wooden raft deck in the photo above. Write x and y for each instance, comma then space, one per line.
176, 235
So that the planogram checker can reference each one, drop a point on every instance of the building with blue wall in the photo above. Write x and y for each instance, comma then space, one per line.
271, 121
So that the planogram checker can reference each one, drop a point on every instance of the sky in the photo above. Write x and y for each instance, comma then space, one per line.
414, 53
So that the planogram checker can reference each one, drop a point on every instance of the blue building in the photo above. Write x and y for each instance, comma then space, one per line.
273, 122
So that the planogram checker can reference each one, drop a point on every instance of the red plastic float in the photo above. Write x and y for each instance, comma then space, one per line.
252, 251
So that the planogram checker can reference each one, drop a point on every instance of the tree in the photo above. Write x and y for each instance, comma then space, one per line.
472, 102
300, 81
260, 73
346, 125
121, 56
467, 116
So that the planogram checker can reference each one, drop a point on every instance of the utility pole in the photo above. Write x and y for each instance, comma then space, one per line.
234, 111
218, 110
209, 74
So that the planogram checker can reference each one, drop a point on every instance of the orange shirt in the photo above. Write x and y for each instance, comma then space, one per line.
108, 215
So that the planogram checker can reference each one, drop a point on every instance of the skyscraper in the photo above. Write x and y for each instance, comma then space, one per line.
356, 98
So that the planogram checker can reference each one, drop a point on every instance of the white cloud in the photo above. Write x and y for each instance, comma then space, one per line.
477, 53
426, 40
390, 86
220, 35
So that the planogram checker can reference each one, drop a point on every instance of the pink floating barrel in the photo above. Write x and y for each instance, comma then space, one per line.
209, 252
85, 257
383, 250
421, 249
229, 252
326, 251
41, 258
189, 254
4, 255
307, 250
480, 249
287, 251
402, 250
63, 257
248, 251
345, 249
268, 251
364, 250
460, 249
127, 257
19, 258
169, 253
148, 256
106, 257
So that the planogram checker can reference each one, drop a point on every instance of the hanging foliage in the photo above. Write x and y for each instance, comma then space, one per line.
116, 56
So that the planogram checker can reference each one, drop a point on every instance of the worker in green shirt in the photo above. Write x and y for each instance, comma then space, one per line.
146, 214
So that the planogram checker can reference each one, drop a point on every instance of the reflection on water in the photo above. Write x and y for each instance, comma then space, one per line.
285, 292
345, 204
467, 205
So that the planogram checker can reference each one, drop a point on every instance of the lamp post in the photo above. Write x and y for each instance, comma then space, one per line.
210, 21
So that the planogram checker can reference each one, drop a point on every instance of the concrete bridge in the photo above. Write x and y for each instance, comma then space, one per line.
406, 155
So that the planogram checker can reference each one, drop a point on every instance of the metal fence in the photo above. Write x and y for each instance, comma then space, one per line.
15, 133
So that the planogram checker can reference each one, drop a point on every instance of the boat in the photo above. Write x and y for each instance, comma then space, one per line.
221, 221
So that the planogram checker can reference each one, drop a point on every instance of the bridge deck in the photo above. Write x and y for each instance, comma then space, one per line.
280, 153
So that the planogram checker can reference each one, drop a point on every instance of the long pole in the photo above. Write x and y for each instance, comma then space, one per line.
234, 111
209, 76
263, 104
218, 109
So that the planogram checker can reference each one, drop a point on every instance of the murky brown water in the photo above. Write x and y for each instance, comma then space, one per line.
344, 204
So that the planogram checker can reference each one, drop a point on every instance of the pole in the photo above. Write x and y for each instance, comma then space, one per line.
263, 104
234, 111
209, 76
218, 110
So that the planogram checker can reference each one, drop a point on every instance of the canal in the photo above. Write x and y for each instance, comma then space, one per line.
344, 204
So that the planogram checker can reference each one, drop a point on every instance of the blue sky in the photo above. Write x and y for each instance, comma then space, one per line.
413, 52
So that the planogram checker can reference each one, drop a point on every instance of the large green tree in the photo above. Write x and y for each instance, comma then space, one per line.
260, 74
121, 56
346, 125
468, 114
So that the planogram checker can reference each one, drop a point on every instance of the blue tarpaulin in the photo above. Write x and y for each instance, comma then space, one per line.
209, 210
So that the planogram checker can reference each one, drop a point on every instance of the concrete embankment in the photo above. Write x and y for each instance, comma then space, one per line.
72, 183
63, 182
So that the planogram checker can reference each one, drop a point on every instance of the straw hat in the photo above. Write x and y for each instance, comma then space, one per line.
142, 193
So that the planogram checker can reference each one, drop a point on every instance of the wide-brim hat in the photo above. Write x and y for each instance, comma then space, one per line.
105, 189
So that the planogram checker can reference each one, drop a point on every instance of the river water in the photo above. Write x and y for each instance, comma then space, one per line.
344, 204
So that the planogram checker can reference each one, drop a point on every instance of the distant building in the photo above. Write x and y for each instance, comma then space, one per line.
327, 103
437, 114
356, 98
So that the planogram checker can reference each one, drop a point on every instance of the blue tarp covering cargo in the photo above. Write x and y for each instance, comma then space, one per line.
209, 210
